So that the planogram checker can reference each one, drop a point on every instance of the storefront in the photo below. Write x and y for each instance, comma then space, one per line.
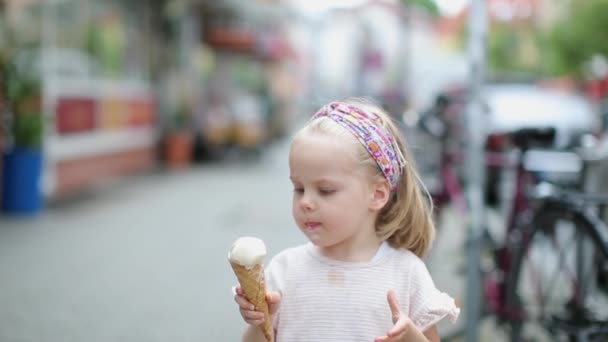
251, 88
102, 120
113, 81
96, 107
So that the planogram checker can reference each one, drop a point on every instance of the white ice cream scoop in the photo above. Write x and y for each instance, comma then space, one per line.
247, 251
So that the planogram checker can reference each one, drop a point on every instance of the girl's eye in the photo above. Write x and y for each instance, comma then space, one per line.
327, 191
298, 190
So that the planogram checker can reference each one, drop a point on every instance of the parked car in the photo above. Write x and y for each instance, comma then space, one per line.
510, 107
516, 106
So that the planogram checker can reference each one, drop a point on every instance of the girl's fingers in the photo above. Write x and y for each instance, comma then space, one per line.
394, 305
399, 328
273, 297
274, 301
248, 310
400, 321
255, 323
243, 303
250, 315
396, 331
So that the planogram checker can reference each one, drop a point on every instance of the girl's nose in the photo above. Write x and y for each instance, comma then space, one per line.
307, 203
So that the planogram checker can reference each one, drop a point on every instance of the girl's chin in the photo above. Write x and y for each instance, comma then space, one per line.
316, 243
315, 240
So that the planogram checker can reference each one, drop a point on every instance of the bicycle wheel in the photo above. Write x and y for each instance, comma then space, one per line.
554, 292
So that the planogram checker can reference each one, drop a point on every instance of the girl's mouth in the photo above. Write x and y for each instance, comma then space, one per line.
312, 225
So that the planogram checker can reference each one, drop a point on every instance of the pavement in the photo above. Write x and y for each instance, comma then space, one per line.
144, 258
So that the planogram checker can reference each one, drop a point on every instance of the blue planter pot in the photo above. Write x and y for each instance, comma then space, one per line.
21, 191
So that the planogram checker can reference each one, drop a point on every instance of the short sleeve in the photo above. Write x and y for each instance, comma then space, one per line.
275, 274
275, 280
428, 305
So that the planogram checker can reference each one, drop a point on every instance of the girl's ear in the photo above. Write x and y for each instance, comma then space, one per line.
381, 192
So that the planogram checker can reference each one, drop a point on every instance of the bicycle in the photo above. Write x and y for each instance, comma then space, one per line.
502, 282
570, 304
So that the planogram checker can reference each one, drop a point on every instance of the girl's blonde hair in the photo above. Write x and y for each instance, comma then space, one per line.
406, 221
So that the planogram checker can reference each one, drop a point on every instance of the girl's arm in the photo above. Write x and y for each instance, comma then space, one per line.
253, 334
432, 335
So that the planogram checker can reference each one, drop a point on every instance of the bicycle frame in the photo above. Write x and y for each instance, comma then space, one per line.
576, 205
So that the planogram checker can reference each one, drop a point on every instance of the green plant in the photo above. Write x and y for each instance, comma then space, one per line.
27, 130
180, 119
22, 89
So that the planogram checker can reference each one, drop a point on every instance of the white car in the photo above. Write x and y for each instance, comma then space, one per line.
510, 107
515, 106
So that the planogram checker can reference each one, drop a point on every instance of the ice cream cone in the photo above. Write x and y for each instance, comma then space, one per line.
254, 286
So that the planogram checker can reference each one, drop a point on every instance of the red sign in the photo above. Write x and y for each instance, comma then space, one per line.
75, 115
598, 89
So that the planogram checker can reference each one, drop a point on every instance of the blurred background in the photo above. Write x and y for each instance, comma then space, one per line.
139, 139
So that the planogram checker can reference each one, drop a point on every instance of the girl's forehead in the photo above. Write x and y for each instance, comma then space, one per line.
337, 140
323, 153
319, 144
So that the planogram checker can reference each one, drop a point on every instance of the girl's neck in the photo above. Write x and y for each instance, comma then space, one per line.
361, 250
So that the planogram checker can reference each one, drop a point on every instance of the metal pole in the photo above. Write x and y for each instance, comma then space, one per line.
317, 25
476, 169
405, 51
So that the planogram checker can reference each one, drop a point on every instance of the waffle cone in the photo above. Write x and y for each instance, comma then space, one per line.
253, 284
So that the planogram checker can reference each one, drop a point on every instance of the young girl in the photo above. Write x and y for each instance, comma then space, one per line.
357, 198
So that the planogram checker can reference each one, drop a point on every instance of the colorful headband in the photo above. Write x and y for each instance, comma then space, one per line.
373, 136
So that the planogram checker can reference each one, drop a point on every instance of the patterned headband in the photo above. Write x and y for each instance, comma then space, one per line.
365, 126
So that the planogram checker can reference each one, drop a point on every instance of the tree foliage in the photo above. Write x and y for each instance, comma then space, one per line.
428, 6
562, 50
579, 36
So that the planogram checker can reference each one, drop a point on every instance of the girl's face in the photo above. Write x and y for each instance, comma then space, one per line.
332, 193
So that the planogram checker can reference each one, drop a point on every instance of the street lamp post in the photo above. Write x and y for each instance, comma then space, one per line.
475, 162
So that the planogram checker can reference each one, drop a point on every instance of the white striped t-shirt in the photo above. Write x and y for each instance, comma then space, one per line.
329, 300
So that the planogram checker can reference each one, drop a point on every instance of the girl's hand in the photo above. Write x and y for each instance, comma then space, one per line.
247, 309
402, 324
403, 328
